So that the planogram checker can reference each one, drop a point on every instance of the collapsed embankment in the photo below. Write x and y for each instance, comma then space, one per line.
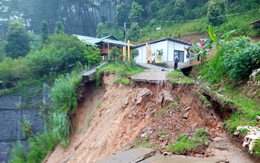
114, 116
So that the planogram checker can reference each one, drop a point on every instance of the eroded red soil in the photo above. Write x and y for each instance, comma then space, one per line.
127, 112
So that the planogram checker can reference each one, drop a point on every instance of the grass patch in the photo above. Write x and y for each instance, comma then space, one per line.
186, 143
122, 69
248, 110
177, 77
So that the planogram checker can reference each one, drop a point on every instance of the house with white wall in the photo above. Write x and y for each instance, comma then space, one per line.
169, 46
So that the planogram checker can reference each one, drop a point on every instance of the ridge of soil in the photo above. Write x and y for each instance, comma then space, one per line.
128, 112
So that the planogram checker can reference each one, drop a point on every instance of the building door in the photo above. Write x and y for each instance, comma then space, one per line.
180, 55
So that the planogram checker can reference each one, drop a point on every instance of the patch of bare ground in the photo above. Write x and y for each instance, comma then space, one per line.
126, 113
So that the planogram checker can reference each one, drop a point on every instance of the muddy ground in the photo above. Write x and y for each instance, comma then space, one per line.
115, 116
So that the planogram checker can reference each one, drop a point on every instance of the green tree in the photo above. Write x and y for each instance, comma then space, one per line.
136, 14
44, 32
62, 53
134, 32
216, 12
2, 49
17, 40
154, 8
59, 29
121, 14
115, 54
108, 28
179, 9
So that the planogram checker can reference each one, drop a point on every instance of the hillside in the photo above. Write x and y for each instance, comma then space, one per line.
116, 116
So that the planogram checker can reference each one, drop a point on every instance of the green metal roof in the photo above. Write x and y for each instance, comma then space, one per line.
97, 41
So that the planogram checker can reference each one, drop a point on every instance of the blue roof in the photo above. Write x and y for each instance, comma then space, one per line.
97, 41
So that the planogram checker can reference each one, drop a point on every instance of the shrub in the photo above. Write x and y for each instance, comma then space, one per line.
63, 93
61, 127
18, 154
26, 127
64, 98
39, 147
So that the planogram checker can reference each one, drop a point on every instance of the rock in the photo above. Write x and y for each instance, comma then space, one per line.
252, 135
187, 109
126, 101
185, 116
144, 92
165, 97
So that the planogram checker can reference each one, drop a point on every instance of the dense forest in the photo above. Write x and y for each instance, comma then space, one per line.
84, 16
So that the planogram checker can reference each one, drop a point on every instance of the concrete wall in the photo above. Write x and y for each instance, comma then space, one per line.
168, 47
14, 108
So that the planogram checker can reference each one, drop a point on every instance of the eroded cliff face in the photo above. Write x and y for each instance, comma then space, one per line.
114, 116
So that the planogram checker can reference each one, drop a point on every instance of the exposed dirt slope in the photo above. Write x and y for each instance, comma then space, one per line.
127, 113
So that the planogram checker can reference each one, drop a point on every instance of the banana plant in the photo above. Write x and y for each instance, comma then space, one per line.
203, 51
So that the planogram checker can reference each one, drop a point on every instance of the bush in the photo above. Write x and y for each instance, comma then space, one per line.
39, 147
64, 98
63, 93
61, 127
235, 60
13, 70
61, 54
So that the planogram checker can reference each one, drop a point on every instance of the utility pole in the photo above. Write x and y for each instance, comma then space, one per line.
125, 39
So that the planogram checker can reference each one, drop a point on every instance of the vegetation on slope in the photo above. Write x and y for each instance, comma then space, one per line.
61, 55
234, 61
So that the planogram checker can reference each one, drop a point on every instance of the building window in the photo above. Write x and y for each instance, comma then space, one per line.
180, 55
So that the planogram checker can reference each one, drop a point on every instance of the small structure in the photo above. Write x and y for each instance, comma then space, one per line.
169, 47
105, 44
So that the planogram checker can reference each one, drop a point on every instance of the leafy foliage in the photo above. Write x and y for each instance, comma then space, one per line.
44, 31
64, 98
59, 29
136, 14
17, 40
61, 54
115, 54
121, 14
236, 59
216, 12
26, 127
134, 32
39, 147
13, 70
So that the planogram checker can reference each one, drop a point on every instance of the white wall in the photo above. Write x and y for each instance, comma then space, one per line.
168, 48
